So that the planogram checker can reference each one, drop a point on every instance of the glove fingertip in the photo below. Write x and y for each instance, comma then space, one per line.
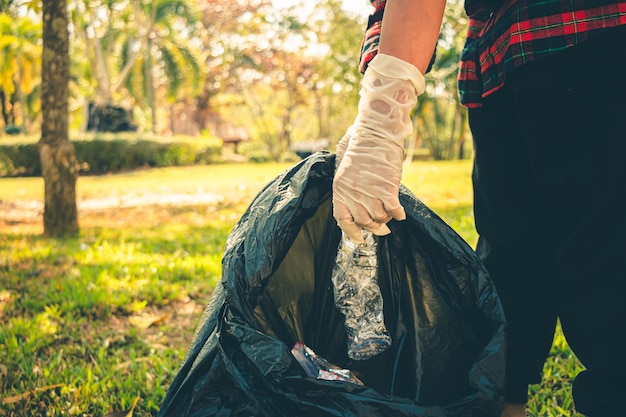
382, 230
398, 213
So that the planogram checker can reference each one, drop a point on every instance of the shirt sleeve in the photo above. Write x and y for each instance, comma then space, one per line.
369, 46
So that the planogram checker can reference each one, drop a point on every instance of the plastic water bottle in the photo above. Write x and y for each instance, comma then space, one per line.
358, 297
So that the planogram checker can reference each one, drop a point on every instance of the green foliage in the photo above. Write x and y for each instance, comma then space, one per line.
305, 83
440, 121
285, 74
12, 130
113, 153
20, 69
84, 320
552, 398
21, 159
461, 219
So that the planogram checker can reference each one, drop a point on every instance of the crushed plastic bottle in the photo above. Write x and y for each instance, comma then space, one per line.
358, 297
317, 367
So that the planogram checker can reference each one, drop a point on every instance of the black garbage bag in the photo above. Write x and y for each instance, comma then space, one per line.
440, 307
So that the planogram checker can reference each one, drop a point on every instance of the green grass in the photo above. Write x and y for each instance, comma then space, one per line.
104, 318
91, 325
240, 180
89, 136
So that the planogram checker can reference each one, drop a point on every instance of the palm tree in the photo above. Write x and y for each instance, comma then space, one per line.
135, 46
105, 30
21, 64
168, 61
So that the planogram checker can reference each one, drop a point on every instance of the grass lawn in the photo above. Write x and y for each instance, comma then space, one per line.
101, 323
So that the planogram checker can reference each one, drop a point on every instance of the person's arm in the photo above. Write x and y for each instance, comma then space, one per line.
410, 29
370, 156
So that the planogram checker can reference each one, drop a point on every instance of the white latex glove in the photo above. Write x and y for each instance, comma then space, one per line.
367, 178
342, 145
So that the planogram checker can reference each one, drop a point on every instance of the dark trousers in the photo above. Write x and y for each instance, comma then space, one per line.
550, 209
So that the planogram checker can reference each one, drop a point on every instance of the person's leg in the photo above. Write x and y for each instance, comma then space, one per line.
513, 243
574, 116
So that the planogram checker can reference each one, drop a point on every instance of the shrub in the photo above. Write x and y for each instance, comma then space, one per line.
12, 130
20, 160
99, 154
255, 152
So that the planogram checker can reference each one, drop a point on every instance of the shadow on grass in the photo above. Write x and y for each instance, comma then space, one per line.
90, 324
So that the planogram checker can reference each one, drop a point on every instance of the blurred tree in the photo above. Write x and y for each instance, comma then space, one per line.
282, 63
338, 85
135, 49
108, 31
119, 34
274, 108
20, 47
299, 81
233, 31
58, 160
441, 122
168, 59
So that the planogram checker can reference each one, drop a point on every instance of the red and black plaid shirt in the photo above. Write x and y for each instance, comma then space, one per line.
518, 32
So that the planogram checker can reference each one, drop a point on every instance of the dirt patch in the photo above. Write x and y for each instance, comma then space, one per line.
26, 216
169, 326
26, 211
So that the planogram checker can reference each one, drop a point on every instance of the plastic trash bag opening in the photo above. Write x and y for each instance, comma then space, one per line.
440, 307
436, 337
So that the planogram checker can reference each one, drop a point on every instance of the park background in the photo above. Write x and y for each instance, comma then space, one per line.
178, 112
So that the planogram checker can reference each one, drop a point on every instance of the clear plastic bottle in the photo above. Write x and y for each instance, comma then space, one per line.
358, 297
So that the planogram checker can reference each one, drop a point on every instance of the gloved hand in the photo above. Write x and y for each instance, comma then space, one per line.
368, 175
342, 146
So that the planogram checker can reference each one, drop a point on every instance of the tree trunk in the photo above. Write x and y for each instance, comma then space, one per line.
58, 160
150, 90
101, 72
456, 122
5, 113
319, 111
203, 109
20, 99
462, 133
